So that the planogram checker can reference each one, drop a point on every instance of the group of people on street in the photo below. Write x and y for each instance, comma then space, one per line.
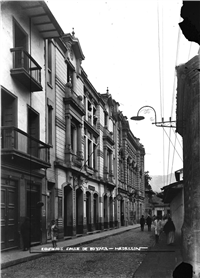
160, 225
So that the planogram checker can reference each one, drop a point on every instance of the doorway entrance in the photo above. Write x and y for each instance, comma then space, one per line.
34, 212
95, 211
68, 215
79, 211
9, 214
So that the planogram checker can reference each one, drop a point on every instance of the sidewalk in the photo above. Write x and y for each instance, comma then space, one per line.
160, 262
10, 258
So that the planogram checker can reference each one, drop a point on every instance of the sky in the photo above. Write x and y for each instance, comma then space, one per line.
132, 47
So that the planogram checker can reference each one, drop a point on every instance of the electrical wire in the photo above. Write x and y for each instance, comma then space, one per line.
173, 158
160, 77
168, 154
181, 145
174, 83
172, 144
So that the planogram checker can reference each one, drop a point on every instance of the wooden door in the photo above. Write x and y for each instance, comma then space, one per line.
8, 118
33, 131
34, 212
9, 215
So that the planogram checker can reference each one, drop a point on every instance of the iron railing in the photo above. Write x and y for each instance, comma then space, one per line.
23, 60
18, 140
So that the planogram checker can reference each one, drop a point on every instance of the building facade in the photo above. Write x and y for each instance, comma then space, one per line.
67, 150
188, 127
25, 154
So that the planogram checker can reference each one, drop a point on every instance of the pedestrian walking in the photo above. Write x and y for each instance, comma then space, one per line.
142, 222
149, 222
157, 228
169, 230
25, 232
164, 220
54, 233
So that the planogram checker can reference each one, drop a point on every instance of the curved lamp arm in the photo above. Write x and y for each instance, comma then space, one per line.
149, 107
159, 124
138, 118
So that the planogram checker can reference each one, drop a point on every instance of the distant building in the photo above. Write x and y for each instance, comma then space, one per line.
173, 194
159, 208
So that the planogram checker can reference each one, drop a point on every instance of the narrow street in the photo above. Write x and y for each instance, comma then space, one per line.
91, 265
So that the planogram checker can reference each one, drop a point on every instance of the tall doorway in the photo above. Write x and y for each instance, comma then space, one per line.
79, 211
34, 212
9, 214
68, 209
88, 210
95, 211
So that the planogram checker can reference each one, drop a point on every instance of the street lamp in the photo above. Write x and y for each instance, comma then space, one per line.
159, 124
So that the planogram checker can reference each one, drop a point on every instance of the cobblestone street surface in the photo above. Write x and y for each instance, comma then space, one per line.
88, 265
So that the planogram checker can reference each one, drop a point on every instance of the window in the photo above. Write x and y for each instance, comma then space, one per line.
90, 149
49, 62
20, 41
50, 124
70, 75
105, 119
89, 153
72, 138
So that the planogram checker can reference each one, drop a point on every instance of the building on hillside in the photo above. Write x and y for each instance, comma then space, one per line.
174, 196
24, 152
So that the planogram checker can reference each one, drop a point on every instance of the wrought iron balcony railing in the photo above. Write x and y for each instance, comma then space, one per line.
26, 69
18, 143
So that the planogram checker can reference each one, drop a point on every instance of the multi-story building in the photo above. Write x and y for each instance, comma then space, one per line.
187, 125
24, 153
131, 183
67, 151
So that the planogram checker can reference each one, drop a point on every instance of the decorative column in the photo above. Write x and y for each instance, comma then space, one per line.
105, 162
101, 219
68, 118
74, 140
79, 143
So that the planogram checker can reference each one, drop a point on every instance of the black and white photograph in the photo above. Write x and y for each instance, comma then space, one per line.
100, 138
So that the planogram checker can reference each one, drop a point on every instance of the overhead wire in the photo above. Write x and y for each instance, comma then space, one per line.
173, 144
173, 158
173, 95
161, 78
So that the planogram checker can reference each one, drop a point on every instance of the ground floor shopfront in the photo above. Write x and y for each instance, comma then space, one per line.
85, 205
22, 195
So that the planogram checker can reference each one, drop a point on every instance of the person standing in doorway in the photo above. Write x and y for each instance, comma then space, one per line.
25, 232
54, 233
142, 222
157, 228
149, 222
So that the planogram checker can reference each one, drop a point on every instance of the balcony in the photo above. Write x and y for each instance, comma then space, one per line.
77, 161
20, 148
26, 70
73, 100
108, 136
